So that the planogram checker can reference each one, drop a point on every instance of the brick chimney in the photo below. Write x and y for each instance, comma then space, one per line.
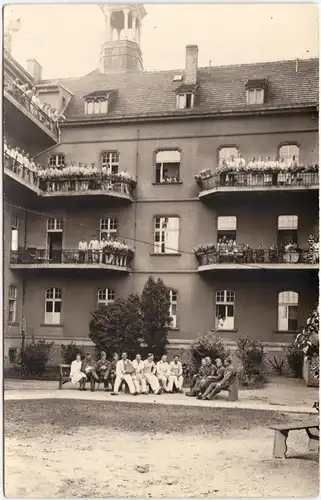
35, 70
191, 64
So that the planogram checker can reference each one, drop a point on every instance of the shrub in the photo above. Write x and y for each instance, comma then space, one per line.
294, 356
69, 352
308, 342
208, 344
251, 353
35, 357
276, 363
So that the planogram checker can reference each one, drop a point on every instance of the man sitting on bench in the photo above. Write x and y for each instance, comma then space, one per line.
88, 366
218, 377
101, 371
124, 372
228, 379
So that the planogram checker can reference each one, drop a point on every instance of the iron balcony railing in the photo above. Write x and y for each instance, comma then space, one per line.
82, 184
259, 180
257, 256
19, 95
118, 258
22, 171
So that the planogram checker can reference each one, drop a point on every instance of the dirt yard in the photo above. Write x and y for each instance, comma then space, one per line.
79, 449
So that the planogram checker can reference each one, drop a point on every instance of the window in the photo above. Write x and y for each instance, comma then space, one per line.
12, 316
185, 101
96, 107
110, 160
108, 228
53, 306
224, 314
55, 224
226, 152
226, 228
14, 233
57, 161
167, 165
255, 96
105, 296
173, 307
13, 355
289, 152
288, 311
166, 231
287, 229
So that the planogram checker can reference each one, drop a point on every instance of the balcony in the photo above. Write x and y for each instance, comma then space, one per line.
245, 258
21, 174
62, 183
39, 258
232, 181
27, 115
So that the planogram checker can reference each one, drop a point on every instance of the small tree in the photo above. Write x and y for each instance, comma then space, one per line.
208, 344
251, 353
155, 305
308, 341
70, 351
35, 357
117, 327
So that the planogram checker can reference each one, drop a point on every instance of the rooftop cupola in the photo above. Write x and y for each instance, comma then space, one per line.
121, 48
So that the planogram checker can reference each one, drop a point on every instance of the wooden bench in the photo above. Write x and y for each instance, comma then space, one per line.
64, 375
281, 433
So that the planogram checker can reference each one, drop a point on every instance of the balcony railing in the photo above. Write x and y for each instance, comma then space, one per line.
20, 96
74, 257
79, 185
249, 180
257, 256
28, 175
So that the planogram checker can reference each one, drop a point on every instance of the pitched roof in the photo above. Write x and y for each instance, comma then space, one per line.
290, 83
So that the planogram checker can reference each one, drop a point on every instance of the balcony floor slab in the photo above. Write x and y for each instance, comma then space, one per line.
257, 267
250, 189
106, 267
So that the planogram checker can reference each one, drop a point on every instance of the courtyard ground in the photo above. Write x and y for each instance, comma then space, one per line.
77, 448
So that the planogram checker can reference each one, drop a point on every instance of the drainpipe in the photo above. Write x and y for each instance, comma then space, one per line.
135, 203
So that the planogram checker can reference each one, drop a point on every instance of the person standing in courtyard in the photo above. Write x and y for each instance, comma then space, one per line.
175, 375
138, 376
162, 373
150, 373
76, 375
124, 372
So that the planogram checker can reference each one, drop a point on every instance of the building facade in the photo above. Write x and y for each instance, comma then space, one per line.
147, 157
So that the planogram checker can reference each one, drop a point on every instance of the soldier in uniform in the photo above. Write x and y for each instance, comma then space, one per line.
214, 379
101, 371
230, 374
204, 371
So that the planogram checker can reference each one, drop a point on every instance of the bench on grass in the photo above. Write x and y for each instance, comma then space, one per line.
64, 375
281, 433
233, 391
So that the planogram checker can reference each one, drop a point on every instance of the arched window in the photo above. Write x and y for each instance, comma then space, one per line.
288, 303
287, 229
168, 166
224, 311
12, 296
226, 227
105, 296
53, 303
289, 152
225, 153
173, 295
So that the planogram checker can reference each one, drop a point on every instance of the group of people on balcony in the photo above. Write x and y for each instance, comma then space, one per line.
21, 163
104, 251
269, 164
29, 96
139, 376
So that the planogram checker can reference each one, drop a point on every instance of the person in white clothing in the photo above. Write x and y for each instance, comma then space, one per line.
76, 375
139, 377
149, 371
124, 372
94, 246
162, 372
82, 250
175, 375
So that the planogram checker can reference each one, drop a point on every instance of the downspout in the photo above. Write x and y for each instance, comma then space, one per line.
135, 204
23, 317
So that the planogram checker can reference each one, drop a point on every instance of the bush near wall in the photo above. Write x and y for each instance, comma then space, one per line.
70, 351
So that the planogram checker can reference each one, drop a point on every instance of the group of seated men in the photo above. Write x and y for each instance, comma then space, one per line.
139, 376
212, 378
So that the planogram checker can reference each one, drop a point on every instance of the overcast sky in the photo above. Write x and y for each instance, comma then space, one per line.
65, 39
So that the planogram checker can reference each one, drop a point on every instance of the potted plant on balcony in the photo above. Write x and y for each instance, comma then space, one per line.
205, 253
204, 174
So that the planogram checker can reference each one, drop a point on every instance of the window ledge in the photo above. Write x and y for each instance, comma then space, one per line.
286, 331
52, 325
227, 330
165, 254
166, 183
13, 323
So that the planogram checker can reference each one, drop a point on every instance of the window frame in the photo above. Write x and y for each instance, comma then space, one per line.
160, 165
287, 305
14, 230
99, 107
12, 300
282, 231
55, 299
226, 230
224, 303
181, 98
288, 144
226, 146
161, 232
112, 164
173, 302
58, 225
106, 301
110, 232
254, 91
57, 163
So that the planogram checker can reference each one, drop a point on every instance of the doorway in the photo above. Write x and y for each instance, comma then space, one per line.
54, 246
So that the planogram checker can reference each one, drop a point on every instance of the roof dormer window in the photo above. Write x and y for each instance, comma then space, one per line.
98, 102
185, 96
256, 91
